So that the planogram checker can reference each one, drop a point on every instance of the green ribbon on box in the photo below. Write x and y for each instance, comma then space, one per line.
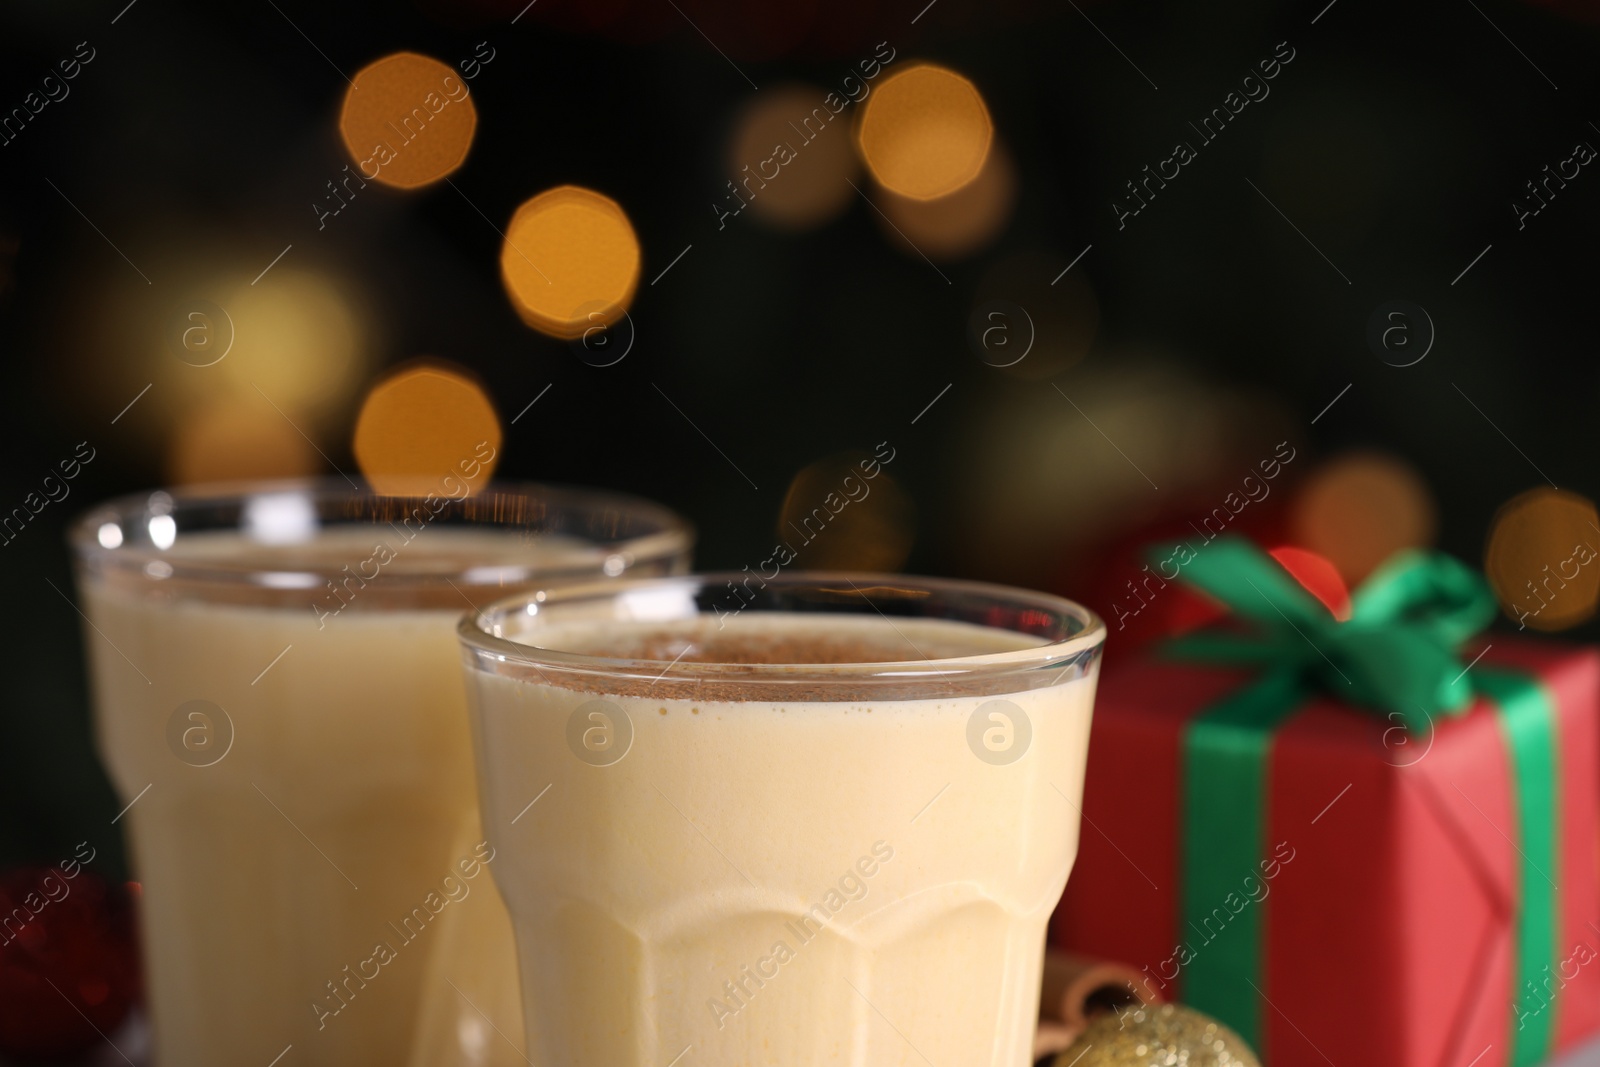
1398, 655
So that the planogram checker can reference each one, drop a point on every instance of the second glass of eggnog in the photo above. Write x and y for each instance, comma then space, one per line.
812, 820
278, 701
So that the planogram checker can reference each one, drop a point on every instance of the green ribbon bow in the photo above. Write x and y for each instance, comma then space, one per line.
1398, 654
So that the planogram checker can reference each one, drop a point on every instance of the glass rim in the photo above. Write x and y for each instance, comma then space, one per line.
1087, 634
669, 535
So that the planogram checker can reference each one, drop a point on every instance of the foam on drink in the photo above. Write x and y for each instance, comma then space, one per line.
299, 878
776, 870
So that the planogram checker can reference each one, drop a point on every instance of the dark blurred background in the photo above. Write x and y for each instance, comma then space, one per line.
1230, 314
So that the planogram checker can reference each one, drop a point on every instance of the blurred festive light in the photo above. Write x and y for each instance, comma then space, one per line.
844, 512
1318, 575
957, 225
407, 120
1360, 509
1540, 558
787, 160
1041, 485
925, 132
427, 429
570, 261
1052, 315
296, 342
235, 440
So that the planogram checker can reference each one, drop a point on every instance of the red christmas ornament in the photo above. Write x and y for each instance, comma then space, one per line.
1142, 601
1141, 606
69, 968
1319, 576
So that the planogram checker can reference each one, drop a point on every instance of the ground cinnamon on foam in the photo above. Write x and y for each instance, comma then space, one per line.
667, 646
795, 649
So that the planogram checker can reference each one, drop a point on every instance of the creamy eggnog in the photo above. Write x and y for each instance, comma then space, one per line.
794, 838
278, 701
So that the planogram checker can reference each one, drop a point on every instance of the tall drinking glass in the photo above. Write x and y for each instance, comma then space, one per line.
278, 701
816, 819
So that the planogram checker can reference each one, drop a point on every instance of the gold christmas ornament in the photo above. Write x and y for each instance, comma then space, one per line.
1157, 1035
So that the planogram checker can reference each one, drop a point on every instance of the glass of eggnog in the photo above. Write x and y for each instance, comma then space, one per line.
812, 819
278, 701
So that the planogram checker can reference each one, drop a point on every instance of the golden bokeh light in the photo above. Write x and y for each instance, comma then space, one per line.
407, 120
925, 132
1540, 558
1361, 508
570, 261
1040, 489
788, 162
844, 512
960, 224
295, 342
427, 429
235, 440
299, 340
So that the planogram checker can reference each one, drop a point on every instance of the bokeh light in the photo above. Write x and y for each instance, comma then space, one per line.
960, 224
798, 161
427, 428
297, 343
1361, 508
1041, 488
407, 120
570, 261
1540, 558
844, 512
235, 440
925, 132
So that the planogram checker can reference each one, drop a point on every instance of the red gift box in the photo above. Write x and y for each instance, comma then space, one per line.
1391, 898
